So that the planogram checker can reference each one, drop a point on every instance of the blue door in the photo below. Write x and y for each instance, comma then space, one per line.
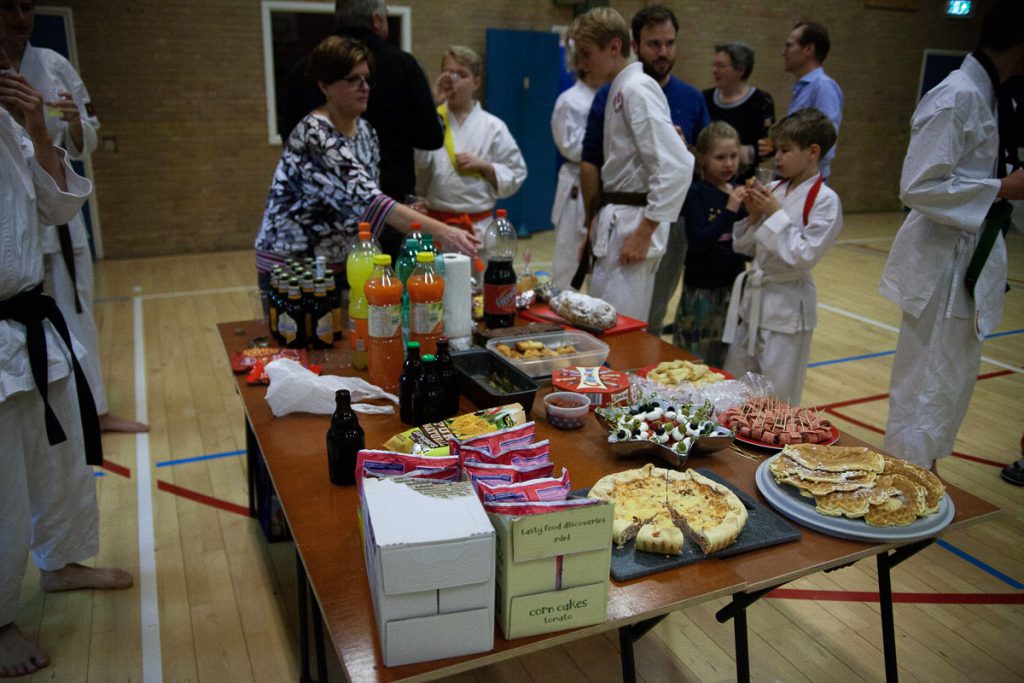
523, 70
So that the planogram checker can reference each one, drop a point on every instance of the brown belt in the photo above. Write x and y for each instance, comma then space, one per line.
625, 198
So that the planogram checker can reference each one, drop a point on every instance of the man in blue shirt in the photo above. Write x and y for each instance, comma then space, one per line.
654, 31
805, 51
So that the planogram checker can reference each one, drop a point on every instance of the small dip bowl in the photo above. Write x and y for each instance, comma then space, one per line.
566, 409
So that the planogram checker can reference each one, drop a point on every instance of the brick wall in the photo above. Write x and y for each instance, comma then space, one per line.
180, 86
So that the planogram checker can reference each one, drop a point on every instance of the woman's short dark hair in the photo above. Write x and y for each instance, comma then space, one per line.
335, 57
740, 54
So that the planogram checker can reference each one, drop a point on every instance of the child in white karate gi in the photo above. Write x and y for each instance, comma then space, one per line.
791, 225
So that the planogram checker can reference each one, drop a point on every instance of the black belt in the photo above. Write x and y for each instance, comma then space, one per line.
67, 252
30, 309
625, 198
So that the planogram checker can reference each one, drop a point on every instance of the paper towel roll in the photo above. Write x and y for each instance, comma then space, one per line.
458, 296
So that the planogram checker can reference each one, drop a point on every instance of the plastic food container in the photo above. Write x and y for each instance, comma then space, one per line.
488, 380
566, 410
589, 351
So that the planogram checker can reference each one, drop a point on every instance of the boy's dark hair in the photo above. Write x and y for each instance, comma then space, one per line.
806, 127
813, 32
335, 57
652, 15
1003, 26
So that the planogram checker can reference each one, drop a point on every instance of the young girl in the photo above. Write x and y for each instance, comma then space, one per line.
712, 205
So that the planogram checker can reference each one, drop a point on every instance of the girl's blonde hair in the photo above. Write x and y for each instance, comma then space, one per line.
712, 133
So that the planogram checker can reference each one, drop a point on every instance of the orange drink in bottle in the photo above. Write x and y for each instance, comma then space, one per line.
384, 324
426, 307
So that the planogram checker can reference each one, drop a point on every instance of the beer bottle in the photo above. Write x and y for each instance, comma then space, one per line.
273, 302
345, 438
335, 300
411, 370
323, 321
449, 378
291, 322
308, 302
428, 396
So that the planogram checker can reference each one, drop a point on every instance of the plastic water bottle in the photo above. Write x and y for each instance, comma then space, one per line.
403, 268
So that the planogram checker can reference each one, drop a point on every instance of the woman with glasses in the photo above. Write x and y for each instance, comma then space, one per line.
327, 181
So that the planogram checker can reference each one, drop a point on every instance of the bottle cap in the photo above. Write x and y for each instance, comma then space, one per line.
502, 213
412, 243
412, 345
382, 260
428, 239
429, 358
425, 257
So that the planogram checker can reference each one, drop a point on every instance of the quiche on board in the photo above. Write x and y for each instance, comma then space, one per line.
656, 506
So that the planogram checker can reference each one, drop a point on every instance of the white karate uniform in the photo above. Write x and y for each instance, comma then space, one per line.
643, 153
949, 182
779, 293
568, 125
481, 134
47, 493
50, 74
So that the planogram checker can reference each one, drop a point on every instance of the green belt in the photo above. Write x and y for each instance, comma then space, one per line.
997, 220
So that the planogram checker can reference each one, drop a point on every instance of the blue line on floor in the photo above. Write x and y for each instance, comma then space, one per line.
980, 565
99, 474
1002, 334
211, 456
850, 358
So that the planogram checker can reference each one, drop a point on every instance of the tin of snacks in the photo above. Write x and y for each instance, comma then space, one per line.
599, 384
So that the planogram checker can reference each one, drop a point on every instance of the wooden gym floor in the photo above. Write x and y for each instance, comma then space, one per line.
214, 602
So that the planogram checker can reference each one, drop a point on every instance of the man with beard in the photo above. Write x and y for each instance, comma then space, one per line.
654, 30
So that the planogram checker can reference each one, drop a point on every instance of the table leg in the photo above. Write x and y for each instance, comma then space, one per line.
252, 452
302, 591
629, 635
888, 628
737, 611
318, 639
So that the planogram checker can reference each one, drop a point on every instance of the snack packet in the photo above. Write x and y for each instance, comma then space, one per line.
534, 490
496, 442
541, 449
476, 471
432, 439
531, 508
387, 464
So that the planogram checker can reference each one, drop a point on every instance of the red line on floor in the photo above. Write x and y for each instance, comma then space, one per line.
919, 598
117, 469
881, 397
876, 430
203, 498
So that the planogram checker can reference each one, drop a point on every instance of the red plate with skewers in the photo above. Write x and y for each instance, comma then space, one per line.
766, 422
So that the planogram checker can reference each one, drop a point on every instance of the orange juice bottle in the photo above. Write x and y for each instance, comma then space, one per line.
426, 307
384, 324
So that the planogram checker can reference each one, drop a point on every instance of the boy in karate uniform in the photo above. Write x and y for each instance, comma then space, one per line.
791, 224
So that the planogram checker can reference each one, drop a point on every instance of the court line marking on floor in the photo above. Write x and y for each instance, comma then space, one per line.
202, 498
199, 458
913, 598
865, 356
979, 564
890, 328
177, 294
149, 604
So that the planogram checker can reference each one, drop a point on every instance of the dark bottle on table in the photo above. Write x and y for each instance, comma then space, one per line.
345, 439
500, 276
291, 320
448, 377
322, 320
411, 370
428, 396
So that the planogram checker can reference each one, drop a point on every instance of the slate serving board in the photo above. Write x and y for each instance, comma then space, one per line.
764, 528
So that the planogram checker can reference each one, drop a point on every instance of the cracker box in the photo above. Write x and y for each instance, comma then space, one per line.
552, 570
601, 385
429, 551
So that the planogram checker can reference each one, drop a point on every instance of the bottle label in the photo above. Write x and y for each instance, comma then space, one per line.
499, 299
385, 321
287, 327
358, 331
325, 328
426, 318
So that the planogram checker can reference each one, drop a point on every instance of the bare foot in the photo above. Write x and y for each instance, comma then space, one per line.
76, 576
113, 423
19, 656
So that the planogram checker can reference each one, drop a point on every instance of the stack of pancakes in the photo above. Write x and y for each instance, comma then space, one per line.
858, 483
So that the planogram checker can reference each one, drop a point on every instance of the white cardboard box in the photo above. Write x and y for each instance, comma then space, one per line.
429, 550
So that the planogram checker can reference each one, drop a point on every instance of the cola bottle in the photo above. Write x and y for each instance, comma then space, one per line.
500, 276
345, 439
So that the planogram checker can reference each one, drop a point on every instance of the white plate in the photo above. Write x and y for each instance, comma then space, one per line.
788, 501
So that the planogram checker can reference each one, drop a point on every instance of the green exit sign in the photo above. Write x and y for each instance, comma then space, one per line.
959, 8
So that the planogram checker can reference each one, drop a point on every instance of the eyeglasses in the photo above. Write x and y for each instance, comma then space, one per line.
356, 80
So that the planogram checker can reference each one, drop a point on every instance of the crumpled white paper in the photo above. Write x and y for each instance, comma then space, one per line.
294, 389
